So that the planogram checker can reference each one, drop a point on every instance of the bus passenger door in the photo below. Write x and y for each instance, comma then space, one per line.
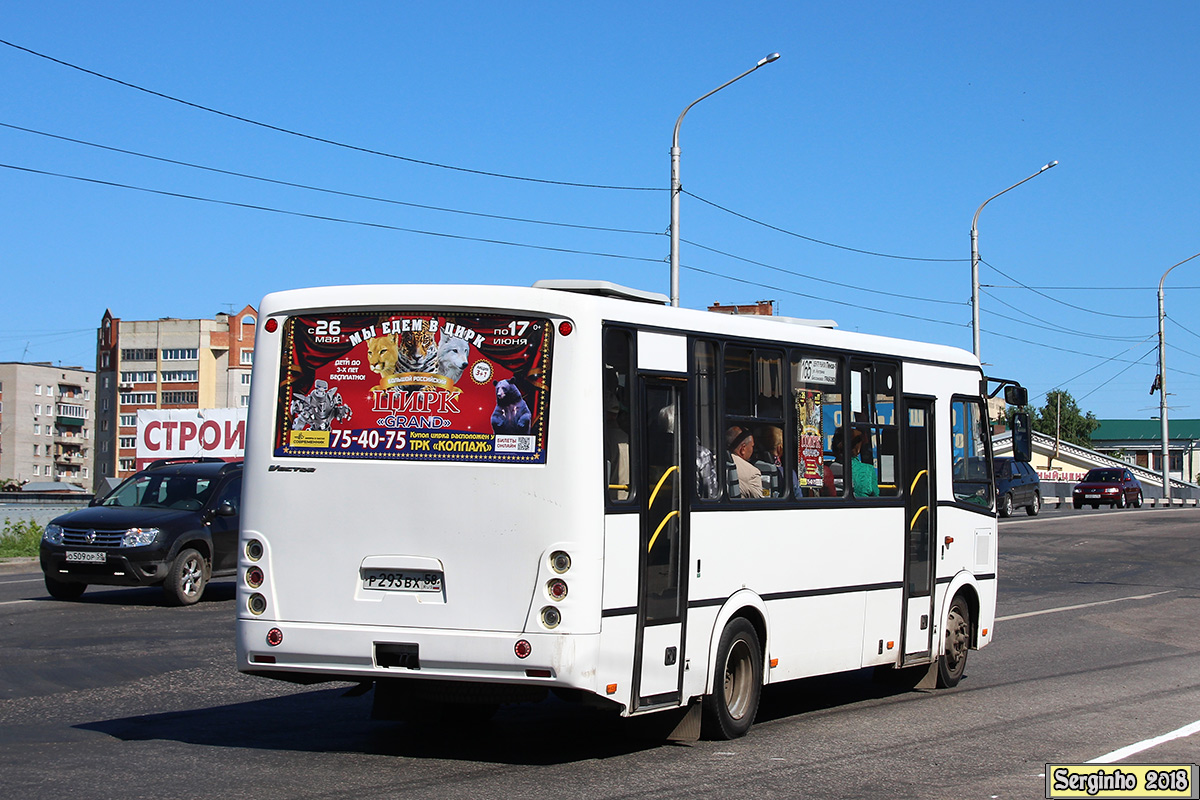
661, 595
920, 521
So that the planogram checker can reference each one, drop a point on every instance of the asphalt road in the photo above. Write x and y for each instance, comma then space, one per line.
117, 696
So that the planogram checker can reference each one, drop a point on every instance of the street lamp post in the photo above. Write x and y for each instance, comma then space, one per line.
975, 257
675, 186
1162, 382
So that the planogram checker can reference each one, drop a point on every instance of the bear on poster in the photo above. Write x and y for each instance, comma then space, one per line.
512, 414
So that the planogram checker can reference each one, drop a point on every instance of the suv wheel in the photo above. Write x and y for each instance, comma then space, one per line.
61, 590
186, 579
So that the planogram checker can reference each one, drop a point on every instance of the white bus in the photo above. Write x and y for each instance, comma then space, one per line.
471, 495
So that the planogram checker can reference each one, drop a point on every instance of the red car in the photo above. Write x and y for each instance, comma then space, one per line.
1111, 486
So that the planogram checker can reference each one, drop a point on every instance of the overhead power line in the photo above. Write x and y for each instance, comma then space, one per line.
1087, 288
1063, 302
327, 218
822, 299
1051, 326
1119, 374
1180, 325
823, 280
324, 140
308, 187
816, 241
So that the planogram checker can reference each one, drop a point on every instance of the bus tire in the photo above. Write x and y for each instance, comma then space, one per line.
729, 711
958, 643
63, 590
186, 579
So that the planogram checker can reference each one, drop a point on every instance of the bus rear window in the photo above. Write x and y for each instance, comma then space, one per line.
415, 385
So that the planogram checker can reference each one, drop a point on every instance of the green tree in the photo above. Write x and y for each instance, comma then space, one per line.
1065, 418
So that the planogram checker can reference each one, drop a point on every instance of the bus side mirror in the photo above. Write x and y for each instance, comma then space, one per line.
1016, 395
1022, 438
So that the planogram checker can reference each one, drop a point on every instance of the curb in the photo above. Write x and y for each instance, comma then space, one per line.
8, 565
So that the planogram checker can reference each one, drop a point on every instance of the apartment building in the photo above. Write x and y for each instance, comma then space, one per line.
46, 423
165, 363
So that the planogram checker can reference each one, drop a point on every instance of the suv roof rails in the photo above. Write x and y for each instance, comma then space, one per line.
162, 462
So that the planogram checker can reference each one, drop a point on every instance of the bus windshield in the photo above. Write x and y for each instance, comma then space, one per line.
415, 385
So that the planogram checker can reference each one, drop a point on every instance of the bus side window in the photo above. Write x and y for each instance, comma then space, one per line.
709, 463
618, 349
968, 450
873, 410
754, 433
817, 410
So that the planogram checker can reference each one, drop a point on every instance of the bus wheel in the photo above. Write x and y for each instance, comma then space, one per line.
958, 644
729, 711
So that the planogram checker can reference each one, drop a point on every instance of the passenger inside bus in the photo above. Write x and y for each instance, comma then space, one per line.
769, 459
740, 442
864, 482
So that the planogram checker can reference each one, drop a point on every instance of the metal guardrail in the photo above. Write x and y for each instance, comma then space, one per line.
73, 499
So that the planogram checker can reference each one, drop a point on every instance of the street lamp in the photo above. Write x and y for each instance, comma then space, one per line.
675, 187
1161, 383
975, 257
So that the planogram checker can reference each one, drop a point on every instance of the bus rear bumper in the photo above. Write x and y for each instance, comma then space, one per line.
313, 652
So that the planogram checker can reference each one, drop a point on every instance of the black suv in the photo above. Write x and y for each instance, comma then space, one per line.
1017, 484
174, 523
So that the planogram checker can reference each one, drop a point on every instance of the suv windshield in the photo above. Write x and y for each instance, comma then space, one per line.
147, 490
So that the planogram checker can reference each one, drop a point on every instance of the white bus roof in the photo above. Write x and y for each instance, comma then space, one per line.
608, 300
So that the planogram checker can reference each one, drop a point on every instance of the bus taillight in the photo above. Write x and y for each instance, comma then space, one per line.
557, 589
257, 604
523, 649
254, 577
560, 562
551, 617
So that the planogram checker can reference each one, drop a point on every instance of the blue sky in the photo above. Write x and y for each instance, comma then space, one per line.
881, 128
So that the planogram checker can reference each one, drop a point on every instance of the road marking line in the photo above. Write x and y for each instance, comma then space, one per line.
14, 602
1081, 605
30, 580
1146, 744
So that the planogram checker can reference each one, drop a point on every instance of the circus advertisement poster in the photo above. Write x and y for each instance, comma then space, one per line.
414, 385
811, 470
